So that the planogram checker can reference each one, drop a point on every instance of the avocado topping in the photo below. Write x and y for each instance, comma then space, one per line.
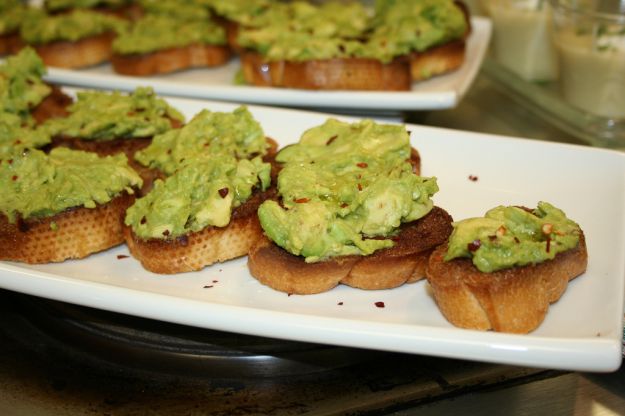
345, 189
36, 185
97, 115
39, 28
511, 236
213, 133
157, 32
300, 31
11, 14
56, 5
14, 137
200, 194
21, 86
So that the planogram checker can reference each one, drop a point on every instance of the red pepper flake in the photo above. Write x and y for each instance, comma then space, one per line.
340, 303
18, 141
223, 192
143, 220
362, 165
169, 151
473, 178
359, 187
122, 256
331, 139
301, 200
166, 232
516, 240
130, 113
474, 245
208, 286
492, 237
14, 177
10, 161
380, 304
344, 205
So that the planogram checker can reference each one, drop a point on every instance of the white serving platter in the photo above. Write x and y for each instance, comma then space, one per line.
582, 331
218, 84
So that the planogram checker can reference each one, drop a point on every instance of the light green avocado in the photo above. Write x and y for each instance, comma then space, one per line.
345, 190
245, 12
11, 14
56, 5
97, 115
212, 133
21, 86
510, 236
404, 26
200, 194
40, 28
301, 31
187, 10
157, 32
14, 137
36, 185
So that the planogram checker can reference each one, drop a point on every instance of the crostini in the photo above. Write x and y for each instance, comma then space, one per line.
500, 272
350, 210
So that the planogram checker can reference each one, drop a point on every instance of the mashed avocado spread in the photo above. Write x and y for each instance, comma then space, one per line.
244, 12
97, 115
14, 137
345, 190
21, 86
301, 31
40, 28
157, 32
37, 185
200, 194
511, 236
338, 30
213, 133
11, 14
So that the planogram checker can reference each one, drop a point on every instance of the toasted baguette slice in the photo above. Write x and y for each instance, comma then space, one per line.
330, 74
72, 234
170, 60
203, 248
405, 262
54, 105
86, 52
511, 300
438, 60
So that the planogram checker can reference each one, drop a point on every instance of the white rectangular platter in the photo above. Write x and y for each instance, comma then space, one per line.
582, 331
218, 84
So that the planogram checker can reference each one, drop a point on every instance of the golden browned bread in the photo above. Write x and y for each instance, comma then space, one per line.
405, 262
510, 300
437, 60
86, 52
329, 74
72, 234
54, 105
203, 248
170, 60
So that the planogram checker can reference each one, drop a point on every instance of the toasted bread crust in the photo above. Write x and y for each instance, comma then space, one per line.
511, 300
203, 248
170, 60
54, 105
86, 52
438, 60
403, 263
330, 74
72, 234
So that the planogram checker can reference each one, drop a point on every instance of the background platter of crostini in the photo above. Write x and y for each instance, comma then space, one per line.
582, 331
441, 92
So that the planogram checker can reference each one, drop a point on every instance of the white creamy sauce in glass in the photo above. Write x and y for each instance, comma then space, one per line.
522, 38
593, 72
